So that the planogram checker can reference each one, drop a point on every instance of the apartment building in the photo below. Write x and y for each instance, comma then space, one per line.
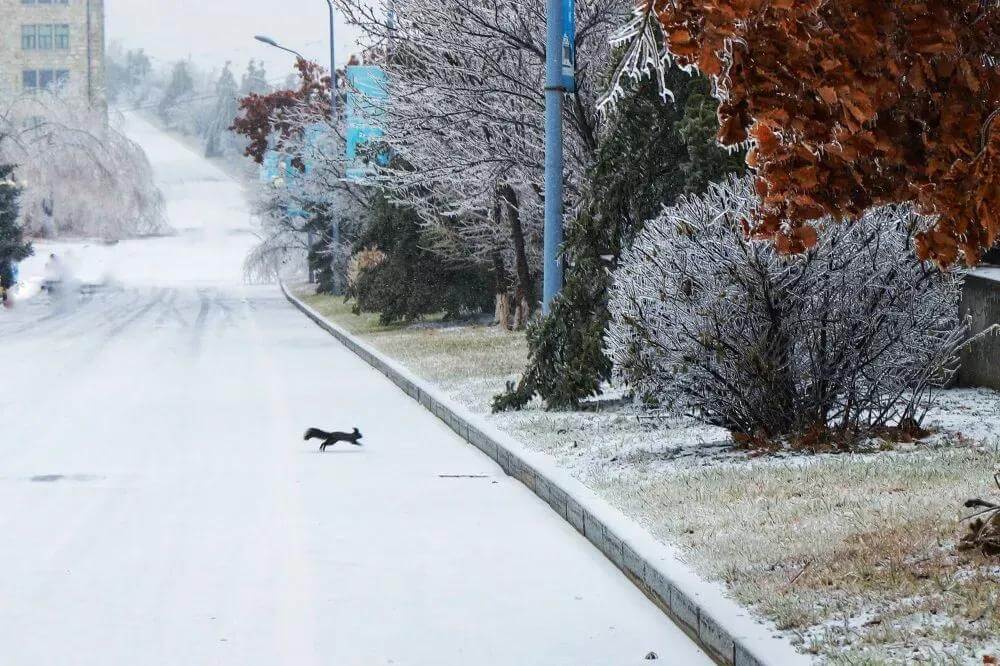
52, 43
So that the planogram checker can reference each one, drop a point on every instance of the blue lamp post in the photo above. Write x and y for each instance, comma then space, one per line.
559, 79
333, 61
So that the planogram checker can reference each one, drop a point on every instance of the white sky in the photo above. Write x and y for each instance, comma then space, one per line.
213, 31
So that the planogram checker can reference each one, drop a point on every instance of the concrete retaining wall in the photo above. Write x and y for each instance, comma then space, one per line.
981, 302
724, 630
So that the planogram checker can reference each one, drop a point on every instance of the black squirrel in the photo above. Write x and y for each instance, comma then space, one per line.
331, 438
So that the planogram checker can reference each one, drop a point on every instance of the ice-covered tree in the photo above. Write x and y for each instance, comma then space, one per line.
311, 192
178, 89
464, 115
567, 362
82, 177
254, 80
218, 137
138, 67
126, 74
839, 343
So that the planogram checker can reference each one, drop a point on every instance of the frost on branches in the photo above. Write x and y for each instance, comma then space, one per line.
465, 118
848, 339
80, 176
849, 105
314, 194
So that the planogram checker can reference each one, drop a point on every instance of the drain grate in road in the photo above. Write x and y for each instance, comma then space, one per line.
463, 476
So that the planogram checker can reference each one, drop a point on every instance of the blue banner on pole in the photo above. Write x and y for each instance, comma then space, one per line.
569, 45
269, 167
277, 171
365, 97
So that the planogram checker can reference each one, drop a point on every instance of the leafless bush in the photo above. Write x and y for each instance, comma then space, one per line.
849, 340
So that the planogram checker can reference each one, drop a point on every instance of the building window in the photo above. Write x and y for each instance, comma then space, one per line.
44, 37
62, 36
44, 79
29, 37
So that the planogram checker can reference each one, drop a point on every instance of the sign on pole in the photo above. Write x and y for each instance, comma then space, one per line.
569, 45
365, 97
269, 167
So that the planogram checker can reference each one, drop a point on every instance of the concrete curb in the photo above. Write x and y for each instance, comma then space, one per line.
720, 627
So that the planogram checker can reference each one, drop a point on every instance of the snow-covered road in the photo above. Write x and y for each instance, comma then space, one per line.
160, 506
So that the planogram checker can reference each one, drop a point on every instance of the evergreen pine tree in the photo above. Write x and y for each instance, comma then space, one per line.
180, 85
412, 281
139, 67
255, 80
226, 108
651, 153
13, 247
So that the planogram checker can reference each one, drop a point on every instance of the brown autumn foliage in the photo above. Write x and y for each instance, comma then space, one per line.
856, 103
260, 115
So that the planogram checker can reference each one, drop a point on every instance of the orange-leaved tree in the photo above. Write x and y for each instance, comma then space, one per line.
850, 104
280, 112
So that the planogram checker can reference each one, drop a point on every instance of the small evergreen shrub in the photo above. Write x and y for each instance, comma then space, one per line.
410, 281
13, 247
650, 154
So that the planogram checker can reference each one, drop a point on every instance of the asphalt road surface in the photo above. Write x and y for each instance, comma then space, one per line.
161, 507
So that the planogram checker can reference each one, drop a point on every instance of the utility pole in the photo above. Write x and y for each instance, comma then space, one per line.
553, 273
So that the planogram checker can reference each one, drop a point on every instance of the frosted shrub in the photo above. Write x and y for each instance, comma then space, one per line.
848, 340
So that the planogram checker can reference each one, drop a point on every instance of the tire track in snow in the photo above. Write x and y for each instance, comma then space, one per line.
198, 328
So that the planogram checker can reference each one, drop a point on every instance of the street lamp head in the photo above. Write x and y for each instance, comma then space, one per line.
264, 39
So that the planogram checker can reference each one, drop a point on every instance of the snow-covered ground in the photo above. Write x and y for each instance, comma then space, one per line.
852, 556
162, 508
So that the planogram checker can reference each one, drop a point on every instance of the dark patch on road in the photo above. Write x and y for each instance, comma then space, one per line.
55, 478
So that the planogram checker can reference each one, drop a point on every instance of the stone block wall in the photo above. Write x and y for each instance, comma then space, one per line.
981, 302
83, 58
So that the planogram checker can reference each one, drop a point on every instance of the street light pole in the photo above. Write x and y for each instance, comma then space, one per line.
333, 61
553, 273
264, 39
